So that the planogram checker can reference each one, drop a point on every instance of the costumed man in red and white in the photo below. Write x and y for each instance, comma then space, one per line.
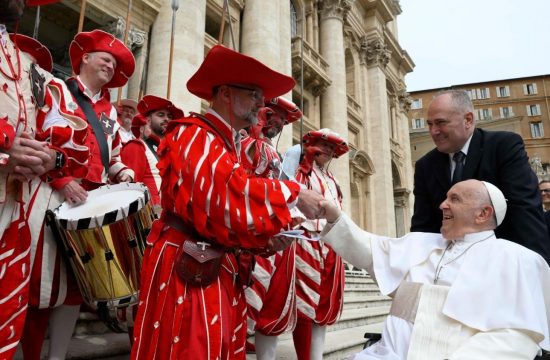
23, 157
126, 111
140, 154
100, 62
212, 210
319, 270
271, 298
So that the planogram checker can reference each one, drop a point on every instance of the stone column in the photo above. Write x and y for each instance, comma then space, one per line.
261, 32
188, 52
137, 43
141, 57
379, 134
334, 100
309, 24
266, 37
407, 181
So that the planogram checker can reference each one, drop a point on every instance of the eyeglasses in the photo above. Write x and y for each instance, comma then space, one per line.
545, 191
256, 94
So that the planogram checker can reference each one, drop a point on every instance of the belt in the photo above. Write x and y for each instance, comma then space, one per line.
176, 222
245, 259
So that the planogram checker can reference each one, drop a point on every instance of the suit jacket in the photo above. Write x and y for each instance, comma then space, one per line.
498, 157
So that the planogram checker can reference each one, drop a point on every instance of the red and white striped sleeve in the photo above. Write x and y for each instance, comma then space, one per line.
205, 184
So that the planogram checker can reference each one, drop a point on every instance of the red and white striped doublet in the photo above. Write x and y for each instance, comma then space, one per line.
265, 161
204, 184
319, 270
50, 285
17, 115
271, 298
96, 174
138, 156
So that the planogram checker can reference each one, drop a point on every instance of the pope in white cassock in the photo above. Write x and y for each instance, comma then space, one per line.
461, 294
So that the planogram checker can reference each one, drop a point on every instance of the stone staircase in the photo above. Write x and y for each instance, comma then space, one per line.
364, 311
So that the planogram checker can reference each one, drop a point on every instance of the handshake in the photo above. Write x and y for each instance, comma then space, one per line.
314, 206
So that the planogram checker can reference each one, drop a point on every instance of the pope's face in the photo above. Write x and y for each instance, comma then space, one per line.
459, 211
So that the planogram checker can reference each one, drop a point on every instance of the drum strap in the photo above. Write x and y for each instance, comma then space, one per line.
92, 120
151, 144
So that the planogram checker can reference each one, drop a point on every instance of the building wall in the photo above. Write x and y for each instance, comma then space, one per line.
520, 105
347, 50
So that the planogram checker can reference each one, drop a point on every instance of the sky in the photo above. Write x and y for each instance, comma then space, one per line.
456, 42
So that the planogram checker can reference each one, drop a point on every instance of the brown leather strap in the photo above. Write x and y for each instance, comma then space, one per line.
177, 223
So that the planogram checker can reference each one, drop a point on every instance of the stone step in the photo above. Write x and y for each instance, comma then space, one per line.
365, 300
338, 344
360, 285
354, 281
84, 347
359, 317
89, 324
351, 318
357, 278
351, 292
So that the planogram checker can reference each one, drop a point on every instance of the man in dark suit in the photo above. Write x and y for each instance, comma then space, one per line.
498, 157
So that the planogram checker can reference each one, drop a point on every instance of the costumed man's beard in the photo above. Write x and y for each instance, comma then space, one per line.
252, 118
271, 132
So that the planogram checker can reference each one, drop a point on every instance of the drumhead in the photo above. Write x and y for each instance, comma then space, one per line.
107, 203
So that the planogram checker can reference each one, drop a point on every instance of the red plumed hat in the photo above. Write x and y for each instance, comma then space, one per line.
292, 111
151, 103
329, 136
34, 48
223, 66
98, 40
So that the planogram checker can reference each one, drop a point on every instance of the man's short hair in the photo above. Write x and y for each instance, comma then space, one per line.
460, 99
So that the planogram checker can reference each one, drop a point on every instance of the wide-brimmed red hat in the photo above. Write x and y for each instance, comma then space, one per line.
138, 121
292, 111
98, 40
327, 135
223, 66
34, 48
40, 2
151, 103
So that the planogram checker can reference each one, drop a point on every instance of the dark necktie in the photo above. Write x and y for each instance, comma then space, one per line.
458, 158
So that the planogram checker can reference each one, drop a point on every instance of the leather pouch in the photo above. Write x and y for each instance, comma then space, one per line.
199, 263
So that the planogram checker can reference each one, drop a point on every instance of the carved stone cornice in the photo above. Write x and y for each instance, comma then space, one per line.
375, 52
338, 9
136, 38
316, 78
401, 197
405, 100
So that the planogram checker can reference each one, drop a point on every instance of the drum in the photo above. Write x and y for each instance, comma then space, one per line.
104, 239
